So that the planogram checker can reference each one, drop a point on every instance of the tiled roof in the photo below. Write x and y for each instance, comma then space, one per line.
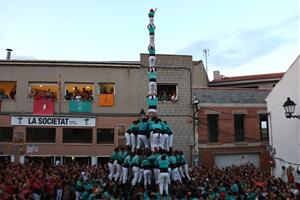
231, 95
249, 77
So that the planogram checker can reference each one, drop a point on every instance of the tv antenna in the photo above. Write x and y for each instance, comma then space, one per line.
206, 54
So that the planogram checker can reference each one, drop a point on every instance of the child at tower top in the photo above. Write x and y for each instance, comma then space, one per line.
152, 12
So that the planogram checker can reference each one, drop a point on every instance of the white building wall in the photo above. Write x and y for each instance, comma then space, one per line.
285, 133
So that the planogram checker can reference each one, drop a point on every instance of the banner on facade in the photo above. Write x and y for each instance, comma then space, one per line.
18, 138
52, 121
43, 107
80, 106
106, 100
32, 149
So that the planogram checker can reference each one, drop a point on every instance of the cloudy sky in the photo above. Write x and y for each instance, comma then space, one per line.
243, 37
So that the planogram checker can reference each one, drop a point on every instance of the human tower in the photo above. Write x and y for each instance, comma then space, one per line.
149, 158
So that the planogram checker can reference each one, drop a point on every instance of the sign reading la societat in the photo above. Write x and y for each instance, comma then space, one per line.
52, 121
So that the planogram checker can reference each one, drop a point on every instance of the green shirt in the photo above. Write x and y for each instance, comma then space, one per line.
131, 127
151, 28
145, 163
136, 160
127, 160
152, 75
85, 195
168, 128
114, 156
119, 156
144, 126
173, 160
154, 126
163, 163
152, 101
79, 186
151, 14
151, 51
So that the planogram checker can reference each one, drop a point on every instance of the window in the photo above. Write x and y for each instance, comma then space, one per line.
264, 127
39, 91
167, 92
77, 135
6, 134
106, 88
105, 136
79, 91
8, 90
212, 125
40, 135
239, 127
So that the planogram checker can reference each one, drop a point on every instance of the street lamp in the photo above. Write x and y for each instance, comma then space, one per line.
289, 107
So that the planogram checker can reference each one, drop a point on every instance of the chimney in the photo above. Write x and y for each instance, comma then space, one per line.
8, 55
217, 75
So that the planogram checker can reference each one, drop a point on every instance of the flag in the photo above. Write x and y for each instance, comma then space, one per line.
106, 100
80, 106
59, 93
43, 107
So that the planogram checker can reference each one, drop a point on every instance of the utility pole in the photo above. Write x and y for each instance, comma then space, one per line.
206, 54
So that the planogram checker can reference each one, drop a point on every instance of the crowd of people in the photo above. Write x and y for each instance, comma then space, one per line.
11, 96
79, 95
167, 95
39, 94
66, 181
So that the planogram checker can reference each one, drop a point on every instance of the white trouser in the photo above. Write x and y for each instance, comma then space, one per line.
156, 174
164, 143
152, 61
152, 39
36, 196
152, 87
59, 194
111, 170
78, 195
118, 173
175, 175
147, 177
141, 175
128, 139
181, 172
133, 142
124, 174
170, 141
151, 141
169, 172
152, 110
186, 171
163, 180
136, 173
156, 140
142, 139
151, 20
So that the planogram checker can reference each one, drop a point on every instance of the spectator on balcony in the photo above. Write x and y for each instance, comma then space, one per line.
2, 94
12, 93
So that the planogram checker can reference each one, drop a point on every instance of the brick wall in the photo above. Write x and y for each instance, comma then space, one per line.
226, 123
207, 156
226, 143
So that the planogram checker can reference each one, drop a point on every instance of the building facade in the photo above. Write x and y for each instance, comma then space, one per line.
232, 127
114, 94
259, 81
285, 132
